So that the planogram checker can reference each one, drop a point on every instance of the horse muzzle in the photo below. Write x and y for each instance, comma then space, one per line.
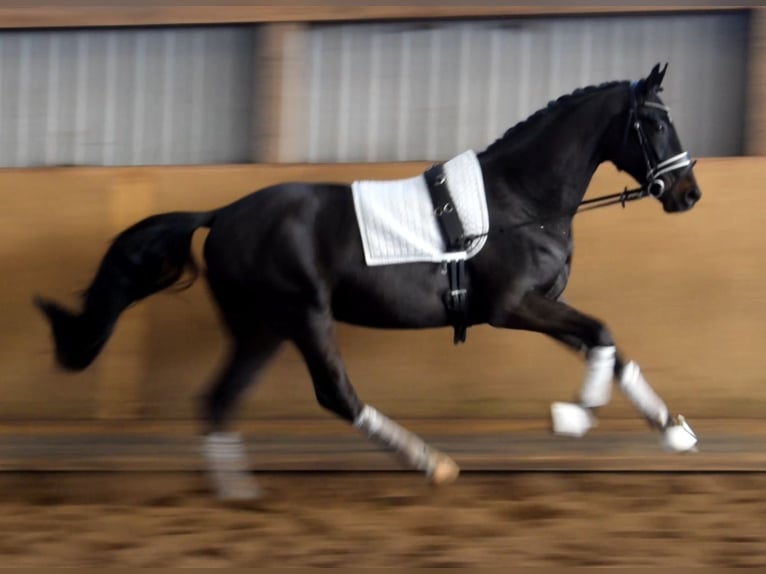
682, 197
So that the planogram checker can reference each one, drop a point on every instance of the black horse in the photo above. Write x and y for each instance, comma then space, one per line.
286, 262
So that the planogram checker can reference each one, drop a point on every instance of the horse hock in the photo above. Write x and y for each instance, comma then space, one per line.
410, 448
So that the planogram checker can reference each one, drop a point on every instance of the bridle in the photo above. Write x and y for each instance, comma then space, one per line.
654, 184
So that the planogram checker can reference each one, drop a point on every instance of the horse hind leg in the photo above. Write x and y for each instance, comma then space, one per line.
316, 341
224, 451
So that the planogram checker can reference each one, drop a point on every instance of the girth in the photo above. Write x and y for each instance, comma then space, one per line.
455, 298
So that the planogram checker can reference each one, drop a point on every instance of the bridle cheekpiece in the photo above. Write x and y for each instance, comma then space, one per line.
654, 185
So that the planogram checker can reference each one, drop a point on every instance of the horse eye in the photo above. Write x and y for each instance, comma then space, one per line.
661, 127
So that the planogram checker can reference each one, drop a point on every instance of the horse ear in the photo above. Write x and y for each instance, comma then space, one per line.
661, 75
654, 80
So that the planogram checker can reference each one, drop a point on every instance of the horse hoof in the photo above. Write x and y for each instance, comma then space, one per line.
237, 488
445, 471
679, 437
570, 419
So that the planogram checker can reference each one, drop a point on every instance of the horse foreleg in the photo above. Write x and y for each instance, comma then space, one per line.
535, 312
317, 343
575, 419
224, 452
677, 436
579, 331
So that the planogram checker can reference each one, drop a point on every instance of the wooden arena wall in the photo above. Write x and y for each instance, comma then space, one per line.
683, 295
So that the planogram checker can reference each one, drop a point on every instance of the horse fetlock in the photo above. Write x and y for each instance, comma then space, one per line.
678, 436
227, 467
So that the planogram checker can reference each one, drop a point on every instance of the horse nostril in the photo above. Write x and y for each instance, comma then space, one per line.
693, 194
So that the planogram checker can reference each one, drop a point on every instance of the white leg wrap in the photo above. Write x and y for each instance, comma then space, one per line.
228, 468
679, 437
596, 389
406, 445
643, 397
575, 420
570, 419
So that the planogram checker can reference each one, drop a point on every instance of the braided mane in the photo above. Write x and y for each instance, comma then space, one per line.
555, 105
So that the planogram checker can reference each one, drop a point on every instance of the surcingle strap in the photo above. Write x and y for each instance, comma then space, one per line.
455, 298
444, 208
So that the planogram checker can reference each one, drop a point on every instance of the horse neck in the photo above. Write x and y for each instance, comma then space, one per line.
546, 168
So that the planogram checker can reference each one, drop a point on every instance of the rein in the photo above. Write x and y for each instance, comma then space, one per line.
586, 205
623, 197
613, 198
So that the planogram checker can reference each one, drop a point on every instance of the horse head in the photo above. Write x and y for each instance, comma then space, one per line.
651, 151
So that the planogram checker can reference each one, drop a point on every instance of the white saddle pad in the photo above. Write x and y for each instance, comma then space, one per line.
397, 222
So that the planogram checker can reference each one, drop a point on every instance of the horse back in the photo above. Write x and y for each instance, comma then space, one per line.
301, 242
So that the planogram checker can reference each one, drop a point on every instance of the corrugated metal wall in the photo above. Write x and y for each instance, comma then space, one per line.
406, 91
126, 97
363, 92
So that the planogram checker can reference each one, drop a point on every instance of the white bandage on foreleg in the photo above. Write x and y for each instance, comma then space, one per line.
596, 389
408, 446
643, 397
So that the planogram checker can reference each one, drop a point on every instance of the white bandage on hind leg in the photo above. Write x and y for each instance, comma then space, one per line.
643, 397
408, 446
596, 389
228, 466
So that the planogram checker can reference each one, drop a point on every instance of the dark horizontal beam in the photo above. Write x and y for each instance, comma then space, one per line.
89, 13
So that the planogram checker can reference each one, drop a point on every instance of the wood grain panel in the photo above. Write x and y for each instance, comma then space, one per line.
681, 293
122, 372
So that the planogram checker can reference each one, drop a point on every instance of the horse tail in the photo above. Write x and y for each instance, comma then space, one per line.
148, 257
